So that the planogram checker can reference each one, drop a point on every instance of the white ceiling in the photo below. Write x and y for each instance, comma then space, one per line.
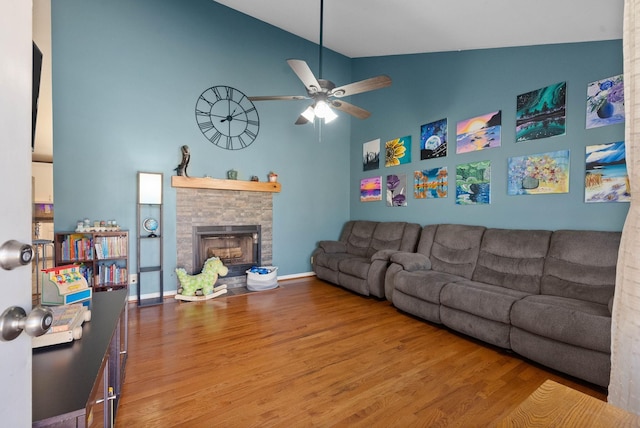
362, 28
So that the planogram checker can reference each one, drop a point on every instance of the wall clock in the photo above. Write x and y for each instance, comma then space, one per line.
227, 118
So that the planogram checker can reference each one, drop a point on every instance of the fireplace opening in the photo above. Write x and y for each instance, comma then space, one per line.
238, 247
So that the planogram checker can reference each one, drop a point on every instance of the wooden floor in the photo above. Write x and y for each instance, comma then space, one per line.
312, 354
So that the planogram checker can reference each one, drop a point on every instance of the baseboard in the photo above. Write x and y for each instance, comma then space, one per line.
171, 293
297, 275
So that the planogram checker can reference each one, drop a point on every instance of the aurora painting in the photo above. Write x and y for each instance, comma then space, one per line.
541, 113
606, 178
398, 151
473, 183
397, 190
371, 189
433, 139
605, 102
479, 133
431, 183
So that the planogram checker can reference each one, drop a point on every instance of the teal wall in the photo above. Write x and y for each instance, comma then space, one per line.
126, 76
461, 85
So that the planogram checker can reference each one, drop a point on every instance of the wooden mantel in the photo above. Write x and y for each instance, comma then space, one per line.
218, 184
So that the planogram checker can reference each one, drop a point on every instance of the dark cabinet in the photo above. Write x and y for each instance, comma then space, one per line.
78, 384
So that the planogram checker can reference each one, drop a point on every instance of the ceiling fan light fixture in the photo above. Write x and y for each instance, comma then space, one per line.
309, 114
323, 111
329, 116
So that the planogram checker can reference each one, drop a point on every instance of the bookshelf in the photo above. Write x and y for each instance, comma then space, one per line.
104, 256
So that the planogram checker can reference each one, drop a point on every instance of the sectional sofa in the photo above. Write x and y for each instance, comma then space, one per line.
543, 294
358, 260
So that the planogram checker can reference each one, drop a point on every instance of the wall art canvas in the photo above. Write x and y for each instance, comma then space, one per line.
397, 190
398, 151
431, 183
606, 178
371, 189
605, 102
479, 133
539, 173
541, 113
371, 155
473, 183
433, 139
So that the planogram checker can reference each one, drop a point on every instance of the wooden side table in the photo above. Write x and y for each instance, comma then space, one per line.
555, 405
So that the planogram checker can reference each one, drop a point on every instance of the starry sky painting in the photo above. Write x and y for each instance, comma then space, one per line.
433, 139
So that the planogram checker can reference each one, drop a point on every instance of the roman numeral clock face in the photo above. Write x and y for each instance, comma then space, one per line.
227, 118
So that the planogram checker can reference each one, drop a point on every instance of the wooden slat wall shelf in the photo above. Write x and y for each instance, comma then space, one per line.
219, 184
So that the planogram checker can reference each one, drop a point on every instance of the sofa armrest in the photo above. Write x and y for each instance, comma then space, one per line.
384, 255
411, 261
333, 246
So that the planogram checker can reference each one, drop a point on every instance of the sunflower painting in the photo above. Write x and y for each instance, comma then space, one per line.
398, 151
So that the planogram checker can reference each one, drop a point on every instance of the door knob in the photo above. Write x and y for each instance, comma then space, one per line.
14, 320
14, 254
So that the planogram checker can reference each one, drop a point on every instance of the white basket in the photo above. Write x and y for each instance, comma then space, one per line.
259, 282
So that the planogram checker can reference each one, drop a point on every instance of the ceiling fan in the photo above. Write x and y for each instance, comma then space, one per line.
324, 93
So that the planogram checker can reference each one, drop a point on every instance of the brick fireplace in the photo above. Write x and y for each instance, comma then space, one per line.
209, 207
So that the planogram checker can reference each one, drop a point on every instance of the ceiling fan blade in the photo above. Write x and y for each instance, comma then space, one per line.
356, 111
301, 120
278, 98
305, 74
366, 85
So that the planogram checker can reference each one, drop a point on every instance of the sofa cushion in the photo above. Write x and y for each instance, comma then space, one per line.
513, 258
333, 246
355, 266
488, 301
331, 260
572, 321
358, 239
455, 249
581, 265
394, 235
424, 285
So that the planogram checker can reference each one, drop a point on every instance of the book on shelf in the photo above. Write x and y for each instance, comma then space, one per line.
77, 247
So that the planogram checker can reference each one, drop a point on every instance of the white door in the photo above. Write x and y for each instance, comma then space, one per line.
15, 201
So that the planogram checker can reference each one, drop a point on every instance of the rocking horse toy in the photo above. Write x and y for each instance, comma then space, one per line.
202, 285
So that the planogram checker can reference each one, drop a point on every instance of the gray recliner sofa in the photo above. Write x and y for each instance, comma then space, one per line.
358, 260
543, 294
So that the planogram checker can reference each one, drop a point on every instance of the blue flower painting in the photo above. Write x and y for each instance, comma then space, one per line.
397, 190
606, 178
605, 102
433, 139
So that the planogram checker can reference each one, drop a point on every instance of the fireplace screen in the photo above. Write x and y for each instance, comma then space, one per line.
237, 246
